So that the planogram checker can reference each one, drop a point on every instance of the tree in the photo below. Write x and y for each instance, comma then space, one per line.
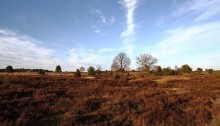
9, 69
91, 71
121, 62
199, 70
98, 69
41, 71
58, 68
158, 70
146, 62
186, 69
81, 69
77, 73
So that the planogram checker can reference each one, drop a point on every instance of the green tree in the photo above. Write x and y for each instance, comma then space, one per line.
199, 70
58, 68
186, 68
9, 69
91, 71
166, 71
77, 73
158, 70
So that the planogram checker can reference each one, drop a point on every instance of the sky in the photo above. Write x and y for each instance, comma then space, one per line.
73, 33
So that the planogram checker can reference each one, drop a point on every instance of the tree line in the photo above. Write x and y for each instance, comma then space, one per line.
121, 62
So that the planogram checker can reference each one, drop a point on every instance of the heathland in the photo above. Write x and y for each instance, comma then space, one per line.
137, 98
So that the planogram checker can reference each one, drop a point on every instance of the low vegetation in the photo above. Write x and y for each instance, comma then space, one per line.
65, 100
152, 95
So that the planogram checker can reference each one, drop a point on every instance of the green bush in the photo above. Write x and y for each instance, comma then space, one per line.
116, 76
210, 71
91, 71
186, 69
199, 71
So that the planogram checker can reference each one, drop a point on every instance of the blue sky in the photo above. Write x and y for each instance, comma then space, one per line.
74, 33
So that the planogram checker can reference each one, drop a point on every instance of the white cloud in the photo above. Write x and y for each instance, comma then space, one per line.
97, 31
22, 51
98, 12
201, 9
106, 50
103, 19
129, 33
112, 20
86, 58
186, 45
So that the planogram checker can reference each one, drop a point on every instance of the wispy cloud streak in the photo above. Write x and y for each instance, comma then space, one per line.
129, 33
201, 9
190, 45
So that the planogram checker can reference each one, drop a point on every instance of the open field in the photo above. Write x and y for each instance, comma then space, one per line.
152, 100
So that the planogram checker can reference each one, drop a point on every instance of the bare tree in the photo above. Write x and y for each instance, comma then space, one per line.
81, 69
98, 69
121, 62
145, 62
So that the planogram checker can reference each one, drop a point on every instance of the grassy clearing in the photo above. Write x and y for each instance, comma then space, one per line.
164, 79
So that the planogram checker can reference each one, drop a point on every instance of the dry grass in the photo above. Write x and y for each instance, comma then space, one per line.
164, 79
65, 100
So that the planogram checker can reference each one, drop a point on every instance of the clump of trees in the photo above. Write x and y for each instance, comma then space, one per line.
91, 71
58, 68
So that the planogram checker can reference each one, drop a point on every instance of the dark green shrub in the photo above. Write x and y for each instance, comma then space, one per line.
116, 76
210, 71
91, 71
199, 71
186, 69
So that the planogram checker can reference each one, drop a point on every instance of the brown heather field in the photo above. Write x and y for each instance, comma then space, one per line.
61, 99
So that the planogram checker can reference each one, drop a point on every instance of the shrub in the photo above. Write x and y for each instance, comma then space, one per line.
98, 71
41, 72
210, 71
9, 69
186, 69
91, 71
116, 76
77, 73
199, 71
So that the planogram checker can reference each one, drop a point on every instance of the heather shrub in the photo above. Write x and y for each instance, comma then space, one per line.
77, 73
